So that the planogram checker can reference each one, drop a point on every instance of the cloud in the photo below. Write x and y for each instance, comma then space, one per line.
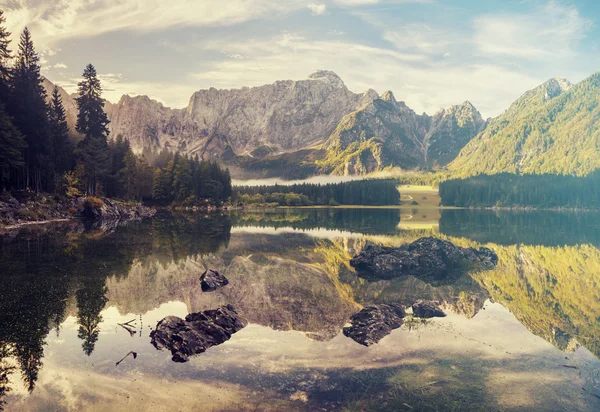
422, 38
368, 2
115, 85
425, 83
60, 66
553, 30
317, 9
55, 20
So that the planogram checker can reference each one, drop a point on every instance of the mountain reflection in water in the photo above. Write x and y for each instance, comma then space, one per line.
76, 300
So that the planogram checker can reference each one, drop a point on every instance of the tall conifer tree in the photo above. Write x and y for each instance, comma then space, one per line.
5, 57
12, 145
12, 142
30, 112
92, 122
61, 146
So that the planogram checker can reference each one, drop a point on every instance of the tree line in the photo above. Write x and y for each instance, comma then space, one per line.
38, 154
372, 192
509, 190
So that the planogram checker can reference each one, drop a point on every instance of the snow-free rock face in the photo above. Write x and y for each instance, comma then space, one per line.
286, 115
147, 123
386, 132
315, 117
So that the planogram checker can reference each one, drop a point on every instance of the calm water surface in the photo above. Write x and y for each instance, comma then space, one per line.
74, 300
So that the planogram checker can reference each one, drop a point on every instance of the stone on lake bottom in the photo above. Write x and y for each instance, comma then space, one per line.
212, 280
197, 333
373, 323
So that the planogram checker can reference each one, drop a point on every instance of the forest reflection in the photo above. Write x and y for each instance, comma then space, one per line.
548, 274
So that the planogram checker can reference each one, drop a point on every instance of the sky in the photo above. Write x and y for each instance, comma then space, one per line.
431, 53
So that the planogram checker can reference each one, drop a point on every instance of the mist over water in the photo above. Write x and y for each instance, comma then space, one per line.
323, 180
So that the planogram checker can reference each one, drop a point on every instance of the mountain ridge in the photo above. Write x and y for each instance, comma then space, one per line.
387, 133
553, 128
288, 121
316, 125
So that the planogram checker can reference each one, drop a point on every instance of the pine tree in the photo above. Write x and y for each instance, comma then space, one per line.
30, 112
59, 130
162, 186
12, 145
5, 57
92, 123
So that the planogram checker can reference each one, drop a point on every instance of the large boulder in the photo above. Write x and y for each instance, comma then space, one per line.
197, 333
430, 259
373, 323
212, 280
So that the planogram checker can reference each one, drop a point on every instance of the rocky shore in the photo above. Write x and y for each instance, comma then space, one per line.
28, 208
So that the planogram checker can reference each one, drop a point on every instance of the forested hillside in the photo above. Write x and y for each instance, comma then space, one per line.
554, 128
508, 190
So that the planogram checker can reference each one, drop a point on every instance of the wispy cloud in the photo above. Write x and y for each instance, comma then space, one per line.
317, 9
422, 38
370, 2
553, 30
451, 55
425, 83
55, 20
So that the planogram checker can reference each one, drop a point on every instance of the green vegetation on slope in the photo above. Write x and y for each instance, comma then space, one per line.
375, 192
386, 133
507, 190
553, 128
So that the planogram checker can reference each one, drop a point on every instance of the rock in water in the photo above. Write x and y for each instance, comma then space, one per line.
197, 333
430, 259
212, 280
427, 309
373, 323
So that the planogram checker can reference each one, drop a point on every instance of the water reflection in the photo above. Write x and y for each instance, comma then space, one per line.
66, 292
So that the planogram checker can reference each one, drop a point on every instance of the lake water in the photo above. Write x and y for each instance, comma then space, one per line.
75, 299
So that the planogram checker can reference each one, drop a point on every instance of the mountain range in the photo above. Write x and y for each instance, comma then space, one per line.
294, 129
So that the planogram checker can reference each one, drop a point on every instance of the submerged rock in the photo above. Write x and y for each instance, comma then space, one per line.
429, 259
373, 323
212, 280
197, 333
427, 309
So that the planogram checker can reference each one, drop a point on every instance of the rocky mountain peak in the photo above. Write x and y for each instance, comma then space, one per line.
388, 96
555, 87
468, 105
327, 76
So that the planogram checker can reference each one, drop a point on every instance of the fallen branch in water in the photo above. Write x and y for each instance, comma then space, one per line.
124, 357
128, 327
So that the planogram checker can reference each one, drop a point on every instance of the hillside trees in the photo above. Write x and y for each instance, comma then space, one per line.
38, 154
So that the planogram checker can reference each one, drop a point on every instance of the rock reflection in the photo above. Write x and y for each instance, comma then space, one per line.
292, 287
